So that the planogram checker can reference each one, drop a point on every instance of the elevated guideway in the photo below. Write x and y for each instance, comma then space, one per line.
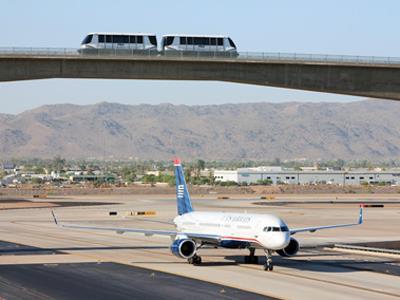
377, 77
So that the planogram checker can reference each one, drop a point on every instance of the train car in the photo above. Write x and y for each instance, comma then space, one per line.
198, 44
104, 42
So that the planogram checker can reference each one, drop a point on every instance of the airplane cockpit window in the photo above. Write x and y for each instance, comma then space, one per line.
284, 229
276, 229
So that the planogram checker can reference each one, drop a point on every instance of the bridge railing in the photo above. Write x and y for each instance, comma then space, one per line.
241, 56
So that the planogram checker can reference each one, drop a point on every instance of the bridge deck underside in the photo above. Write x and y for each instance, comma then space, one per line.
378, 81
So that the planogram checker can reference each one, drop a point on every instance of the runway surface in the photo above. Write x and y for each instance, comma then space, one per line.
316, 272
105, 281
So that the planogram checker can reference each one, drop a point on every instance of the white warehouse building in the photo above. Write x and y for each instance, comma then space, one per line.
226, 175
279, 176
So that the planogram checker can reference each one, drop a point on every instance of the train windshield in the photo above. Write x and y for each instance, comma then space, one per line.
87, 39
168, 40
231, 43
153, 40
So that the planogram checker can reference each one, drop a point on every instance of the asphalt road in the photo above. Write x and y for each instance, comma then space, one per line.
106, 281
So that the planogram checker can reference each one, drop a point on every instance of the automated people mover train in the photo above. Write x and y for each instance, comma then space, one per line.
137, 43
195, 229
198, 43
124, 42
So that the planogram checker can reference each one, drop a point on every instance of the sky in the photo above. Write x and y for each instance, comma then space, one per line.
327, 27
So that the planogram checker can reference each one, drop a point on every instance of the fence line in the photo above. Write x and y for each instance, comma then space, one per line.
246, 56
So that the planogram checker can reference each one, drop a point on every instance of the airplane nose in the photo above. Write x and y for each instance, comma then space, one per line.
280, 240
287, 239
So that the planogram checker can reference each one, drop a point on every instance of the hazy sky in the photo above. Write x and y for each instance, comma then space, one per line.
336, 27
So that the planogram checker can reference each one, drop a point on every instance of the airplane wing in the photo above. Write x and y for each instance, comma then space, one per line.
314, 229
195, 236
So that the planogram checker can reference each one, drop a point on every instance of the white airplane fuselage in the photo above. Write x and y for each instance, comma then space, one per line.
237, 230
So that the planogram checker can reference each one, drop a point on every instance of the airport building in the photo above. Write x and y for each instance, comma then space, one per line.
278, 175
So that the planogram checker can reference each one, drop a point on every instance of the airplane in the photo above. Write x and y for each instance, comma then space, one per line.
195, 229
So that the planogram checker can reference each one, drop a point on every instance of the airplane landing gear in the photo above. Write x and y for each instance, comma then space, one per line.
251, 259
268, 266
195, 260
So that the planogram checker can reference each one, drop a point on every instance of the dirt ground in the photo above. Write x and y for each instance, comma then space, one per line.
205, 190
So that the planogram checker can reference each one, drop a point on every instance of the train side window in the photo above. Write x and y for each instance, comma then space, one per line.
220, 42
132, 39
108, 38
125, 39
101, 38
116, 39
182, 40
139, 39
205, 41
213, 41
190, 41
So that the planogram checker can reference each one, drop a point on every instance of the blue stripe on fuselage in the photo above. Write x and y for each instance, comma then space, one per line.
232, 244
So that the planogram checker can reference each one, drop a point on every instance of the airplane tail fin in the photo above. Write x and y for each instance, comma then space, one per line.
361, 215
182, 194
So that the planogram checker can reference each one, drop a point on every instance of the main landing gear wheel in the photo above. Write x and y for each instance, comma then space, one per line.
195, 260
268, 266
251, 259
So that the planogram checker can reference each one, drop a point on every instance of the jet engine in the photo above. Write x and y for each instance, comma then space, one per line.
183, 248
291, 249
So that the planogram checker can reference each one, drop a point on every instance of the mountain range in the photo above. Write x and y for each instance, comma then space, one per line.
367, 129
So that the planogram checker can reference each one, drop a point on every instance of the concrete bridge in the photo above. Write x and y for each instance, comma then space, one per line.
377, 77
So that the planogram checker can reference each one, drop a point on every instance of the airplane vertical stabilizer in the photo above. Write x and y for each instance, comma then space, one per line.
182, 194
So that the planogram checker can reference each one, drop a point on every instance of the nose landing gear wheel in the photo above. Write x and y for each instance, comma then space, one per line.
268, 263
268, 267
